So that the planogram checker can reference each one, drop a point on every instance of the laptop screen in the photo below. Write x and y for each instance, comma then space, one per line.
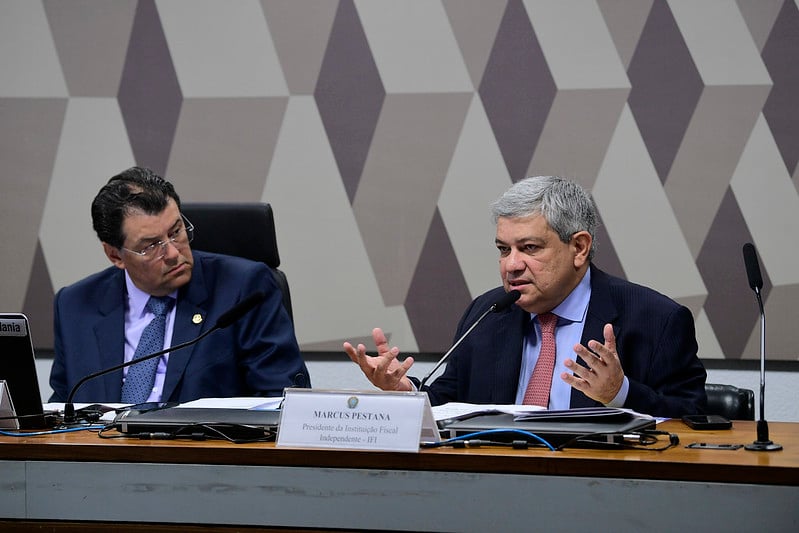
18, 369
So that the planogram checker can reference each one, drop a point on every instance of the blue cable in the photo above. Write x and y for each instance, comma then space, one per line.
492, 431
49, 432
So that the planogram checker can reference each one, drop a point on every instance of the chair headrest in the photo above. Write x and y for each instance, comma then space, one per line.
241, 229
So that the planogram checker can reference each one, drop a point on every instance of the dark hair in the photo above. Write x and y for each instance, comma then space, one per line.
136, 189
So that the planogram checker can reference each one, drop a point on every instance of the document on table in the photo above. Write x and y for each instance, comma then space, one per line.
582, 413
458, 411
259, 403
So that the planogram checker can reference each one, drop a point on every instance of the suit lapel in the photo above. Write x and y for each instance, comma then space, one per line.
601, 311
508, 346
190, 321
109, 331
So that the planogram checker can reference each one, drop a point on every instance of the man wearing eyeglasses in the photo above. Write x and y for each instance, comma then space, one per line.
159, 293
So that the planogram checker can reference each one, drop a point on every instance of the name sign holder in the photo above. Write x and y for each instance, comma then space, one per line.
8, 415
356, 420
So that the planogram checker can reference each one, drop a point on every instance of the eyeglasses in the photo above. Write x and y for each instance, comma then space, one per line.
178, 238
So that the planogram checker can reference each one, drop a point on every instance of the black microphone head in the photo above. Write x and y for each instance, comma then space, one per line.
240, 309
506, 300
752, 266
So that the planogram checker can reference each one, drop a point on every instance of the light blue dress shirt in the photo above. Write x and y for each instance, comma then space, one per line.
571, 321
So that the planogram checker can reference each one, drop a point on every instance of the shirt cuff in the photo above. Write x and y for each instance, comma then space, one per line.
621, 396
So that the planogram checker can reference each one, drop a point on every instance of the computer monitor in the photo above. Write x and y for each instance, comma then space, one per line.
18, 369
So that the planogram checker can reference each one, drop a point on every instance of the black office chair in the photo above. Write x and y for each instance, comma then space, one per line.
241, 229
730, 402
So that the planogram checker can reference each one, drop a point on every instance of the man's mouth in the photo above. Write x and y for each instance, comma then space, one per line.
177, 268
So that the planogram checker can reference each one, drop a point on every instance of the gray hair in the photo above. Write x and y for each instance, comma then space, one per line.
566, 206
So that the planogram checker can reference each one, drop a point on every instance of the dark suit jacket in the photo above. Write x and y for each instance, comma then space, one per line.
655, 340
257, 355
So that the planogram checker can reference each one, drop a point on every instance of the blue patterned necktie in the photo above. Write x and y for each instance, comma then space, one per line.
141, 376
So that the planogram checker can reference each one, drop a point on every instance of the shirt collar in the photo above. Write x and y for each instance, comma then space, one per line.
575, 306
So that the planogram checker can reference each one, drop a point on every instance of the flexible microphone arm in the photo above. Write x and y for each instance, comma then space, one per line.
763, 443
505, 301
225, 319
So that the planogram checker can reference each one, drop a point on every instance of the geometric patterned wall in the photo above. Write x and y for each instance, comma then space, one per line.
381, 130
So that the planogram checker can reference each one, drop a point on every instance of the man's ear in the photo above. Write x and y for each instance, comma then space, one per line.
113, 255
581, 241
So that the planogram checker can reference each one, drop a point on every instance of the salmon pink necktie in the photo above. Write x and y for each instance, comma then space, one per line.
537, 392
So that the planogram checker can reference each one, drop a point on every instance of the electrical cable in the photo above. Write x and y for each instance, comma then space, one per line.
636, 440
473, 440
48, 432
646, 439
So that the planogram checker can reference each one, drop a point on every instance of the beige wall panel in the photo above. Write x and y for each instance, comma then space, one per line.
28, 59
221, 48
476, 177
333, 288
769, 205
577, 132
576, 43
720, 43
402, 179
94, 146
413, 46
223, 147
708, 154
640, 220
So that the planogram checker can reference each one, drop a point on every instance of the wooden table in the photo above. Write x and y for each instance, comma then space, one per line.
80, 477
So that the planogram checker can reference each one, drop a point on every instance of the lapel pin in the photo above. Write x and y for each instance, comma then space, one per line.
197, 319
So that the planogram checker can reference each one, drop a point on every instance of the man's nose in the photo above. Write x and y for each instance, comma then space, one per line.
513, 261
170, 250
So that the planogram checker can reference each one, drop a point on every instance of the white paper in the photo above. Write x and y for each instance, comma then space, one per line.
259, 403
454, 410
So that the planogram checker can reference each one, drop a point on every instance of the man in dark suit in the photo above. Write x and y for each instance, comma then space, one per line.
615, 343
100, 320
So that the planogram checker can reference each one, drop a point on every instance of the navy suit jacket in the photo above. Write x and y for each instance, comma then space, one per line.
257, 355
655, 340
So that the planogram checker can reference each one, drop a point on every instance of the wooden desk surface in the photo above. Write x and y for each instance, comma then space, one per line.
678, 463
61, 479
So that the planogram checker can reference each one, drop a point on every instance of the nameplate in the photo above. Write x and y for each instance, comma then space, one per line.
13, 327
357, 420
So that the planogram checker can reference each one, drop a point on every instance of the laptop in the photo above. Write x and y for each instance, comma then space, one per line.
555, 431
210, 422
18, 369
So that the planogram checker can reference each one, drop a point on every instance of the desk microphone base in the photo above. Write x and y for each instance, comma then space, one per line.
763, 443
763, 446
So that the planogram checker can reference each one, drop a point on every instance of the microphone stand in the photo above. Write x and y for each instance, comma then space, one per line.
763, 443
505, 301
69, 406
446, 355
225, 319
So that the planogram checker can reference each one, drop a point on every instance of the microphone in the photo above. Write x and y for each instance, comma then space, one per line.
763, 443
501, 304
752, 268
225, 319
